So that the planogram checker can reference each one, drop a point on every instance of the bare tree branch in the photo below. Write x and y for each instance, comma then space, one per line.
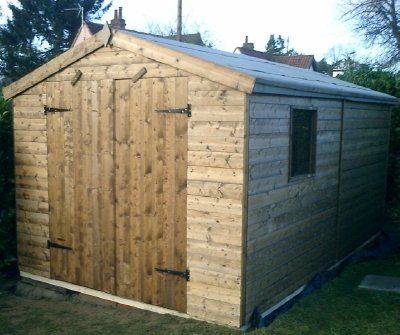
378, 21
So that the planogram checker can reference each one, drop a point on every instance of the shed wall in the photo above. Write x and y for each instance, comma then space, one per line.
31, 184
214, 174
363, 174
297, 228
291, 224
215, 193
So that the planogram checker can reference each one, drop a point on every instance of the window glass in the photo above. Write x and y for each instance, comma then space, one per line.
303, 142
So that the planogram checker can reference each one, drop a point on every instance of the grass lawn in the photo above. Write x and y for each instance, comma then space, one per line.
338, 308
341, 308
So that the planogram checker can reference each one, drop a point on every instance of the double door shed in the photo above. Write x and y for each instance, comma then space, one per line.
189, 178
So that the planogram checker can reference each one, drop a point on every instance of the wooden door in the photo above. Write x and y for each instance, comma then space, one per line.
81, 183
117, 187
151, 181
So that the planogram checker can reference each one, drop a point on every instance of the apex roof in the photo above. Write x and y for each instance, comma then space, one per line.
241, 72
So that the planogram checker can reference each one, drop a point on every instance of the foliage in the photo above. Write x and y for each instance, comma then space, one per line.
370, 76
379, 21
387, 82
324, 67
40, 30
7, 194
277, 46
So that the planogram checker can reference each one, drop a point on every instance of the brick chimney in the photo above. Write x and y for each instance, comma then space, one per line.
247, 45
118, 22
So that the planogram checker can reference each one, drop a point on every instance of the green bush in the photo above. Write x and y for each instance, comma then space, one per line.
7, 190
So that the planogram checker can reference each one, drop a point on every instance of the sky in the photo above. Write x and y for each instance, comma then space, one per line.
312, 26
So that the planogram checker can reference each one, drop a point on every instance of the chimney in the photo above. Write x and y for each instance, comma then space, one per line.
118, 22
247, 45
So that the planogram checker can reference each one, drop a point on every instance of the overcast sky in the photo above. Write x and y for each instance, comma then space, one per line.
313, 26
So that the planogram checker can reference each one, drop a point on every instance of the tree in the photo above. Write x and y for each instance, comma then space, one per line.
373, 77
40, 30
324, 67
7, 194
277, 46
379, 22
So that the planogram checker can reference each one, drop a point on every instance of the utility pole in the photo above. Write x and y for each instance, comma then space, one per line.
179, 22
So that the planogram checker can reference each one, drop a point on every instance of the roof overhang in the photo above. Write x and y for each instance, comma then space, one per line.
288, 88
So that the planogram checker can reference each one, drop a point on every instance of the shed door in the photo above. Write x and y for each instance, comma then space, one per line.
117, 187
151, 165
82, 183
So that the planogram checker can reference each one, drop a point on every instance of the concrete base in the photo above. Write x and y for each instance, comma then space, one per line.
381, 283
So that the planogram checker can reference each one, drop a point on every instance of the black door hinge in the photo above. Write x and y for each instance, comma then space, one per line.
186, 110
48, 109
56, 245
185, 274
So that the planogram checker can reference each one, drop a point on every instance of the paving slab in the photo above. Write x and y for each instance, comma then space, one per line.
381, 283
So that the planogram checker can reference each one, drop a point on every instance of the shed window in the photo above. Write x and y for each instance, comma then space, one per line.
303, 138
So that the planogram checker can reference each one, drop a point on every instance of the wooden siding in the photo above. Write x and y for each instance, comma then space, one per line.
291, 224
215, 192
31, 185
363, 175
214, 173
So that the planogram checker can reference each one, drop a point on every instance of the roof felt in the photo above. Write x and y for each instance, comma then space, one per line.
277, 78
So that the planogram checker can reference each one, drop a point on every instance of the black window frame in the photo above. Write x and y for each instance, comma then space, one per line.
313, 142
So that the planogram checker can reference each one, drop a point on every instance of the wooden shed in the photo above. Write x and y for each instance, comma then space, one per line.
191, 179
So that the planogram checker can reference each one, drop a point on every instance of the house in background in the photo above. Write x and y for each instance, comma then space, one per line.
89, 28
301, 61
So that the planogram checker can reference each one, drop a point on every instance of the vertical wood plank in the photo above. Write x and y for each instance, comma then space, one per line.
66, 133
122, 186
78, 239
180, 193
107, 186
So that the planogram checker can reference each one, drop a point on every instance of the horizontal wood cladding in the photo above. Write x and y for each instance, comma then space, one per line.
214, 206
291, 224
31, 185
363, 175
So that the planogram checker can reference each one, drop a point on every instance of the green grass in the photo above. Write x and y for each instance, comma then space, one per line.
338, 308
341, 308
